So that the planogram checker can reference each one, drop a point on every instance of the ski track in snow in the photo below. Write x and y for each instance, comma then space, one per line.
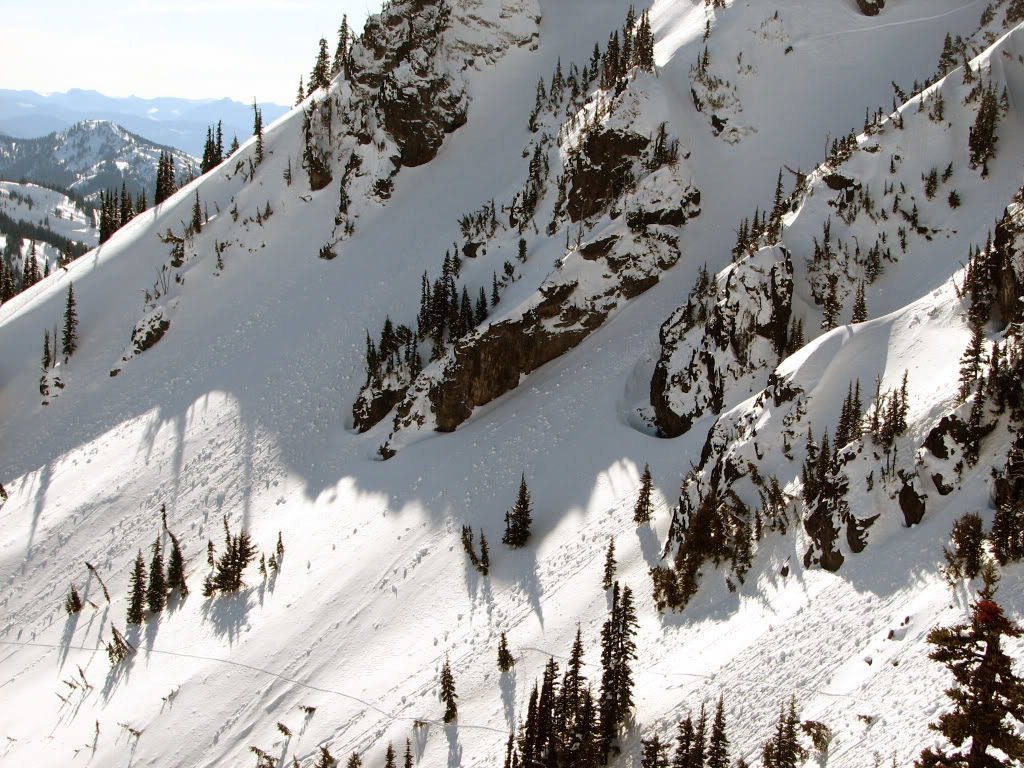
887, 25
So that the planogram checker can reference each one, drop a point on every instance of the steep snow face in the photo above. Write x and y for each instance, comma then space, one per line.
91, 156
891, 214
242, 409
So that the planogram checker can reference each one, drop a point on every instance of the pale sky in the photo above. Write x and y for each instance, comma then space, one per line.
191, 49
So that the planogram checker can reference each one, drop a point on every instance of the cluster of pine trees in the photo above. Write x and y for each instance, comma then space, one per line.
166, 182
633, 48
116, 211
722, 529
519, 519
152, 592
324, 70
213, 149
69, 341
565, 725
482, 562
445, 315
226, 574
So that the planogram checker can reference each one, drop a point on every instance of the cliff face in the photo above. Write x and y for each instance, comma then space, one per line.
617, 198
411, 58
732, 326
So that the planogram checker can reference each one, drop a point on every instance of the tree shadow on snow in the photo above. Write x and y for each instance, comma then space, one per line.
527, 579
65, 640
420, 734
649, 545
227, 613
507, 683
451, 732
123, 671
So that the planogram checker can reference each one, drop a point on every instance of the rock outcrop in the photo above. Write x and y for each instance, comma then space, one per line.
731, 331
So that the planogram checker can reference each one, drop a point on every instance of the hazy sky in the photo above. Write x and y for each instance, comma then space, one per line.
190, 49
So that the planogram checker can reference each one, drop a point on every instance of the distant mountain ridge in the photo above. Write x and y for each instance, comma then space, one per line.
88, 157
171, 121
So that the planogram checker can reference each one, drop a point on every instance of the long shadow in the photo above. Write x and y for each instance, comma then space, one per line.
121, 672
649, 545
43, 484
527, 579
451, 732
227, 613
507, 683
152, 628
419, 740
65, 640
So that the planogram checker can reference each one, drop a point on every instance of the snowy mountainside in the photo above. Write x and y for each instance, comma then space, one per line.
242, 409
47, 207
910, 243
90, 156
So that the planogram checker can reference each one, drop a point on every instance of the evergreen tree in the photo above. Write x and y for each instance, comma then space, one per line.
448, 695
257, 130
341, 52
572, 688
505, 659
982, 139
832, 305
654, 753
609, 565
684, 743
209, 151
698, 749
354, 761
325, 759
238, 553
968, 556
645, 44
118, 649
137, 591
618, 651
301, 95
970, 361
485, 557
72, 603
176, 569
860, 305
234, 145
126, 205
156, 592
518, 521
784, 749
46, 362
197, 215
480, 310
320, 77
642, 508
407, 761
718, 745
69, 340
987, 695
1008, 532
389, 757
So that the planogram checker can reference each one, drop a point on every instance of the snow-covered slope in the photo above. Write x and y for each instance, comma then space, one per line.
88, 157
49, 209
242, 409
